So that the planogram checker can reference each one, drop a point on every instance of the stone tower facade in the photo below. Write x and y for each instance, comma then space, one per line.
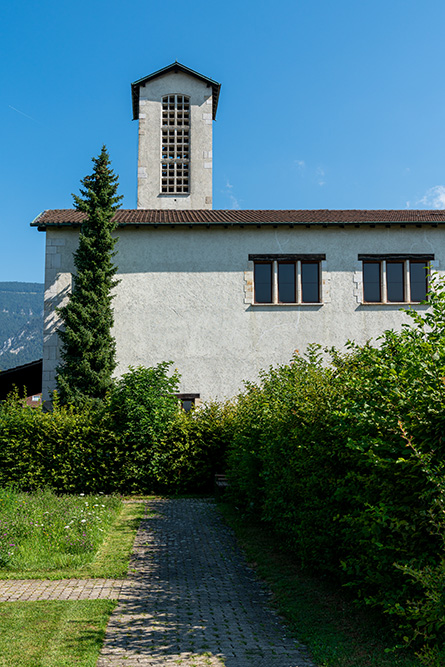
175, 107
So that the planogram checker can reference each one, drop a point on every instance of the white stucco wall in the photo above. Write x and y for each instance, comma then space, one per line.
58, 271
184, 296
149, 153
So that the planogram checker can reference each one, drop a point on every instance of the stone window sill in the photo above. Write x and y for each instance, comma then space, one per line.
391, 303
285, 305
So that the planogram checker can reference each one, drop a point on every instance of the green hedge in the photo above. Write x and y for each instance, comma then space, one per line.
346, 461
67, 450
194, 449
138, 440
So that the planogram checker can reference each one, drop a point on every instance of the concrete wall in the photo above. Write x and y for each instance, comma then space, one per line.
149, 157
185, 295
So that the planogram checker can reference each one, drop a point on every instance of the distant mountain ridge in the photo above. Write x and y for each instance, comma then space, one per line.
21, 323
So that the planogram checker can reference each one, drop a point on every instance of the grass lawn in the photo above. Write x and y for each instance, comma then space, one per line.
53, 633
336, 633
110, 558
64, 633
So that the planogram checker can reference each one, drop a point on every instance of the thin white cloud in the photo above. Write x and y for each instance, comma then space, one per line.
320, 176
434, 197
229, 194
309, 171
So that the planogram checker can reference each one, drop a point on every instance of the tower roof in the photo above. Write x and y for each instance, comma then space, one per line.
174, 67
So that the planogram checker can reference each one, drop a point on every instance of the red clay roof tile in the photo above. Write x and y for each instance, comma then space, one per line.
124, 217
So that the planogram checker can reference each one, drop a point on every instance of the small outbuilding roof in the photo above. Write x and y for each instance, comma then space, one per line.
174, 67
239, 218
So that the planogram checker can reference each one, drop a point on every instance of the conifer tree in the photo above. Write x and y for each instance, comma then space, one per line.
88, 348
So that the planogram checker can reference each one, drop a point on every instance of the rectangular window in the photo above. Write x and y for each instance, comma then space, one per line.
287, 279
188, 401
286, 282
263, 283
395, 282
395, 278
310, 282
418, 278
371, 282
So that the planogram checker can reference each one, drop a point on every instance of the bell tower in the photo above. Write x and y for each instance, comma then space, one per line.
175, 107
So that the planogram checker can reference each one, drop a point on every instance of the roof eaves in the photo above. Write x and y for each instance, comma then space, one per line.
261, 223
249, 223
35, 222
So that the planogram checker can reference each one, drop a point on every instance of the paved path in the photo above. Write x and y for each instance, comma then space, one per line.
25, 590
189, 600
193, 601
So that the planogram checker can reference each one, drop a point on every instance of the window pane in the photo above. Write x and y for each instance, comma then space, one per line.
418, 277
286, 283
263, 283
371, 282
395, 281
310, 292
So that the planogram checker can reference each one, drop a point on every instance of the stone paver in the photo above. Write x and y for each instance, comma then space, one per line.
25, 590
192, 600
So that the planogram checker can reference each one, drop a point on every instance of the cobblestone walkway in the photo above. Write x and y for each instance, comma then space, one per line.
192, 600
25, 590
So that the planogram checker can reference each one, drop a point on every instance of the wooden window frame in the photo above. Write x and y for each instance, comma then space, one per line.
406, 260
274, 260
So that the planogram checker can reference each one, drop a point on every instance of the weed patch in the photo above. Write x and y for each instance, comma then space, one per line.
52, 537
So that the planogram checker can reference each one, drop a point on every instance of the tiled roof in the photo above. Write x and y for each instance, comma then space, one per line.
150, 217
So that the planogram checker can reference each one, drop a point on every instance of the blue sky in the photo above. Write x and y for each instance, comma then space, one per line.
323, 104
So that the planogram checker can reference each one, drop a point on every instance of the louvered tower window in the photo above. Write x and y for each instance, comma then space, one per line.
175, 145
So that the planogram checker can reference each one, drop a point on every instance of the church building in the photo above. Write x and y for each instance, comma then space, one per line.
225, 293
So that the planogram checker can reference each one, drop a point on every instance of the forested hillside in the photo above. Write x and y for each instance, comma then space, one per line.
21, 323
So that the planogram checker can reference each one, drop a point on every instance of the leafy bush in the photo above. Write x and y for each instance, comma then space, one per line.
143, 405
67, 450
137, 440
321, 453
283, 464
193, 449
426, 612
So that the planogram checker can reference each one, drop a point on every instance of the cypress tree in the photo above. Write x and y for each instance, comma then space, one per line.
88, 348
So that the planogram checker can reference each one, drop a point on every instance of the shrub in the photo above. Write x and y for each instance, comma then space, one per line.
320, 452
137, 440
143, 405
68, 450
193, 449
283, 462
